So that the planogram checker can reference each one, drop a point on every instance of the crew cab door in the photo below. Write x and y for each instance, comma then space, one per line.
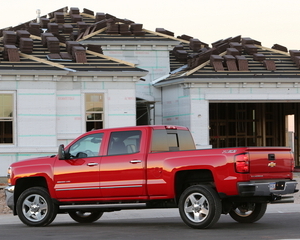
78, 175
122, 169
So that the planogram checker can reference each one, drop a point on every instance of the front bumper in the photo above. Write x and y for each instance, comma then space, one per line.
267, 188
9, 196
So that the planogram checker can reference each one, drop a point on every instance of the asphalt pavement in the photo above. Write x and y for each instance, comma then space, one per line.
148, 213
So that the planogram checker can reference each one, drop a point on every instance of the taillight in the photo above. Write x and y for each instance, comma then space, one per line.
171, 127
242, 163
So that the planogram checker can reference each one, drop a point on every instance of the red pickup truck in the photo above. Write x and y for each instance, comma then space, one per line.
150, 167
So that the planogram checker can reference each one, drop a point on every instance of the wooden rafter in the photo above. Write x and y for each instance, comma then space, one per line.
201, 66
166, 36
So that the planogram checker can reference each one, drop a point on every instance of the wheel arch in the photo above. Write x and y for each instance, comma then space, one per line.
187, 178
27, 182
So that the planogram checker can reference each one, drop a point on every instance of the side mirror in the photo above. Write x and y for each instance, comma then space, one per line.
61, 152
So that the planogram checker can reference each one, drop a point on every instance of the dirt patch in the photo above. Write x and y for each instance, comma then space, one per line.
3, 208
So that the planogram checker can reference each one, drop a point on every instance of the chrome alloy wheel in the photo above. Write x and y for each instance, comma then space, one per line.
196, 207
34, 207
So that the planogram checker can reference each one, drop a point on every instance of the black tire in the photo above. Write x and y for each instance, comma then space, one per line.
85, 216
248, 212
35, 207
200, 206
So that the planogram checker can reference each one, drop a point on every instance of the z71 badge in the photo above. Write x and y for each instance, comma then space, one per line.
229, 151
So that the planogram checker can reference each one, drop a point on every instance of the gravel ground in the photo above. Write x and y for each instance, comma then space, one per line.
5, 210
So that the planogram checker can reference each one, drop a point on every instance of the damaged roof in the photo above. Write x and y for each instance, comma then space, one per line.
234, 57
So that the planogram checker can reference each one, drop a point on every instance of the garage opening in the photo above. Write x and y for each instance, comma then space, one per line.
255, 124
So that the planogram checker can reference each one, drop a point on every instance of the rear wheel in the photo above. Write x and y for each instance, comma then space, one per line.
200, 206
248, 212
85, 216
35, 207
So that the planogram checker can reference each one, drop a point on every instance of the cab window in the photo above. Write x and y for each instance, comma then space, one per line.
87, 146
126, 142
171, 140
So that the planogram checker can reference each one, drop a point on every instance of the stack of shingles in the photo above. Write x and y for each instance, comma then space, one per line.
180, 54
44, 22
53, 44
75, 15
77, 51
34, 29
137, 29
9, 37
185, 37
53, 27
59, 17
237, 46
268, 63
79, 54
195, 44
249, 46
230, 61
25, 42
164, 31
112, 27
67, 28
99, 16
22, 34
95, 48
217, 62
295, 56
201, 57
124, 29
44, 38
10, 52
280, 48
235, 49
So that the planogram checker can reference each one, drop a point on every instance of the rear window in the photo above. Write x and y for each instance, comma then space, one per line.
171, 140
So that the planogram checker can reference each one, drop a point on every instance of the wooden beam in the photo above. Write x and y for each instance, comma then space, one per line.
201, 66
87, 15
92, 34
273, 50
36, 59
166, 36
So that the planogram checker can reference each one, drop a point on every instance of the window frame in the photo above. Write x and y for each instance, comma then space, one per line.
86, 113
13, 119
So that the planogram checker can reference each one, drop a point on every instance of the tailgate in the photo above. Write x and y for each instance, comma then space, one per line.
270, 160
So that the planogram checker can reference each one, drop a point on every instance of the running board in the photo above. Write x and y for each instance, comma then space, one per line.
109, 207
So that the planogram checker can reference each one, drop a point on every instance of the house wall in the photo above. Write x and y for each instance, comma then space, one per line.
152, 56
153, 59
50, 112
188, 103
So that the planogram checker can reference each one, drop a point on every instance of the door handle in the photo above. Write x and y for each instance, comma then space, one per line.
135, 161
92, 164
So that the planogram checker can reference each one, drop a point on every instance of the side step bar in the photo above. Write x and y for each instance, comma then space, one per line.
107, 207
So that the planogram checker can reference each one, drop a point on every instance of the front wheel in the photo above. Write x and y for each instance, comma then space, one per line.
248, 212
200, 206
35, 207
85, 217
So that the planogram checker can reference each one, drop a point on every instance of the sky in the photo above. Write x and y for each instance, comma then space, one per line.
268, 21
